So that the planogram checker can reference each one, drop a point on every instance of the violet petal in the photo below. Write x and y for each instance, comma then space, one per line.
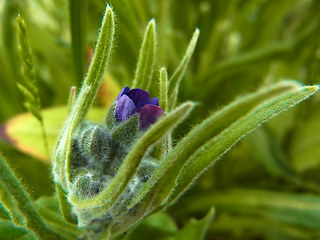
123, 91
138, 96
153, 101
148, 115
125, 108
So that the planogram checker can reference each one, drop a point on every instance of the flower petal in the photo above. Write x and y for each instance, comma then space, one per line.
123, 91
148, 115
138, 96
125, 108
153, 101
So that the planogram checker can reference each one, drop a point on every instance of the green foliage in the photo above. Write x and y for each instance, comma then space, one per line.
174, 81
32, 221
146, 58
24, 133
115, 181
78, 13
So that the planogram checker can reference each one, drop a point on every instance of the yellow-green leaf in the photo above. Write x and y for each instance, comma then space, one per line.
24, 131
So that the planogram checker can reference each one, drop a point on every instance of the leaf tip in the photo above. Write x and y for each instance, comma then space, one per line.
195, 35
197, 32
311, 89
151, 28
211, 213
163, 70
152, 22
188, 106
109, 9
109, 12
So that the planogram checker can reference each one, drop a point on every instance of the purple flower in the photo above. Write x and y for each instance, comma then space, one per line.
137, 101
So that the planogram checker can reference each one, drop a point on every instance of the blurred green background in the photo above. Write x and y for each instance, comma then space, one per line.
268, 186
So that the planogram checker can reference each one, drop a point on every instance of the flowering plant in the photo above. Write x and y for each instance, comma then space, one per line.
130, 102
116, 178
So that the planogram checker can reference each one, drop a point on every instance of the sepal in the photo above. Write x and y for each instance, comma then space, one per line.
127, 131
111, 121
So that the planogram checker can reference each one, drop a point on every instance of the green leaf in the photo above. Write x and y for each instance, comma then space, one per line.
100, 59
49, 202
108, 197
33, 221
50, 211
196, 229
176, 78
301, 210
214, 136
245, 227
3, 212
267, 152
65, 206
9, 231
24, 132
10, 206
304, 149
77, 14
221, 143
58, 224
163, 90
85, 98
143, 75
166, 145
158, 226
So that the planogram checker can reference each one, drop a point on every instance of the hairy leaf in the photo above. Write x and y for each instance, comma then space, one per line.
146, 60
213, 137
174, 81
33, 221
221, 143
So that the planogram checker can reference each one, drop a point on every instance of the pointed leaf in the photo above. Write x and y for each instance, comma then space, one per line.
146, 60
33, 221
220, 144
166, 144
244, 110
174, 81
100, 59
158, 226
196, 229
85, 98
164, 90
65, 206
